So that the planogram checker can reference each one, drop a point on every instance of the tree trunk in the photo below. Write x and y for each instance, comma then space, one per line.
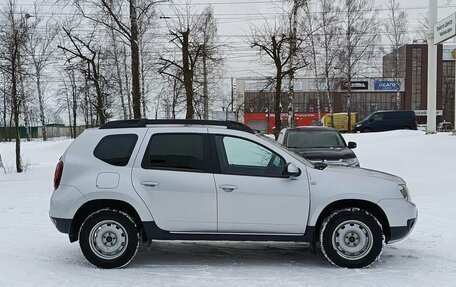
23, 100
291, 92
349, 106
143, 89
119, 76
75, 109
188, 75
136, 92
16, 111
277, 104
4, 112
127, 86
205, 88
41, 105
100, 101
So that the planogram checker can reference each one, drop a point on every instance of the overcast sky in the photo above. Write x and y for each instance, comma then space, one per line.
234, 18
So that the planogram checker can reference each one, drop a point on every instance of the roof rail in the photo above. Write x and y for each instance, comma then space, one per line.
141, 123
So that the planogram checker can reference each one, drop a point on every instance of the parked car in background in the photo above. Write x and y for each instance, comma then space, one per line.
380, 121
319, 144
422, 127
339, 121
444, 127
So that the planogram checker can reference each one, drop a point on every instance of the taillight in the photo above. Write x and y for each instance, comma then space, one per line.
58, 174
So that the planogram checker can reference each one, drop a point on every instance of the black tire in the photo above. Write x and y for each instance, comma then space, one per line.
367, 130
109, 238
351, 238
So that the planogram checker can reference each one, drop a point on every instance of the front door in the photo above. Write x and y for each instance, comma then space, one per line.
173, 181
253, 196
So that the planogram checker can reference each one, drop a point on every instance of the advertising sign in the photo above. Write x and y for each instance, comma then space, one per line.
355, 85
447, 54
385, 86
423, 113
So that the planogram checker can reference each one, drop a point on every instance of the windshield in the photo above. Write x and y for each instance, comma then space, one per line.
314, 139
290, 152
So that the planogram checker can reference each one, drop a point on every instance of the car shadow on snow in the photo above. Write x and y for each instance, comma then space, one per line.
227, 253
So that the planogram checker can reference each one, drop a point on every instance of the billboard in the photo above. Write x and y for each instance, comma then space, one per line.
355, 85
385, 86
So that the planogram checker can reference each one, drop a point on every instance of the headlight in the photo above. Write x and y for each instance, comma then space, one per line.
405, 192
352, 161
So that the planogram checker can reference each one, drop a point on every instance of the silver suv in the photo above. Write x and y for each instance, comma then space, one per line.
129, 182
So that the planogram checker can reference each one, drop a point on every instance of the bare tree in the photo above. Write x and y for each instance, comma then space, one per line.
185, 37
423, 28
118, 75
396, 32
272, 40
13, 37
311, 27
68, 97
330, 43
359, 26
146, 37
293, 30
84, 50
40, 49
130, 31
211, 64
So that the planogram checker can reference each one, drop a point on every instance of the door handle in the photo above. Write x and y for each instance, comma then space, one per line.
150, 183
228, 187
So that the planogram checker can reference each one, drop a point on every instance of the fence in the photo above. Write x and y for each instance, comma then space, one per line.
54, 131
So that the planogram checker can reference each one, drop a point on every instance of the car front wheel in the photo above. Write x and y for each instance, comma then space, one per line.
109, 238
351, 238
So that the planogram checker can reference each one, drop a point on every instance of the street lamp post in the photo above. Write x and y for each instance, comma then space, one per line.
432, 70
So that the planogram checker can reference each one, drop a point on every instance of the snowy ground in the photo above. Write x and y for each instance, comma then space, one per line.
33, 253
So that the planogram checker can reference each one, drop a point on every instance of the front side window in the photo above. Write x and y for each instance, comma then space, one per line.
116, 149
240, 156
175, 151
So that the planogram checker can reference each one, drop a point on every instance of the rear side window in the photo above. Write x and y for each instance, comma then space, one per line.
175, 151
116, 149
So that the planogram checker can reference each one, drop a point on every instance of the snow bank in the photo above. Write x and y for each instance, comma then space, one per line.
33, 253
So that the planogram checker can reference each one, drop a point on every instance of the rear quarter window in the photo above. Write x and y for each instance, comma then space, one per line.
116, 149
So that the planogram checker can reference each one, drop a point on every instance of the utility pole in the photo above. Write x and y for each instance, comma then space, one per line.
432, 70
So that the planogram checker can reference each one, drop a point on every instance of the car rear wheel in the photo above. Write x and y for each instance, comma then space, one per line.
351, 238
109, 238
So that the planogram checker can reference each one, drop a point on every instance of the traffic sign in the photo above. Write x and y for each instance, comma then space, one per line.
445, 29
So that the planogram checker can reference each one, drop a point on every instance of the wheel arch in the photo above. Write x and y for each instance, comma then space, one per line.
368, 206
94, 205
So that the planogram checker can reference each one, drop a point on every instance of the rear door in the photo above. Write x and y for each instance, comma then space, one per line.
171, 176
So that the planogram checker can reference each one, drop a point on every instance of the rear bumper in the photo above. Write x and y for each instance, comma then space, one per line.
62, 224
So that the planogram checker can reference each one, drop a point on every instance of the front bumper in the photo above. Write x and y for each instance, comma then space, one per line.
400, 232
402, 216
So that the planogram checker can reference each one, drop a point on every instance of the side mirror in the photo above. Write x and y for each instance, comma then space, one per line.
352, 145
291, 170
